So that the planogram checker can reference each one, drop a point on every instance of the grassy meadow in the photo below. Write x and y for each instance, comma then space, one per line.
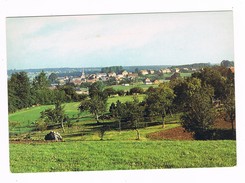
120, 155
82, 149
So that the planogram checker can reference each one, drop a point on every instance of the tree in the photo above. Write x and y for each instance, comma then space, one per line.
183, 90
52, 77
109, 91
56, 115
229, 104
130, 113
96, 89
41, 81
70, 93
112, 109
199, 115
136, 90
159, 101
135, 114
211, 76
227, 63
19, 91
95, 105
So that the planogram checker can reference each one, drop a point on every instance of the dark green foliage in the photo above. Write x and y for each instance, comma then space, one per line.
112, 109
216, 134
116, 69
227, 63
229, 103
183, 90
211, 76
136, 90
19, 91
199, 116
159, 101
111, 81
56, 115
40, 82
120, 92
96, 105
70, 93
52, 77
129, 113
109, 91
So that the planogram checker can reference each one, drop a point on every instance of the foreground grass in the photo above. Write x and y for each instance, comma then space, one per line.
124, 155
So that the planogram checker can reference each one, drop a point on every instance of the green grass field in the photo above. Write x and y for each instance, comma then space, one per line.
119, 155
127, 88
82, 149
26, 117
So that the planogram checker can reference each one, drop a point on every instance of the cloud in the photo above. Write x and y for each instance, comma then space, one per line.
65, 37
88, 34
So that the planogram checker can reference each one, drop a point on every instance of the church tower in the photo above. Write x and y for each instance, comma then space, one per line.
83, 75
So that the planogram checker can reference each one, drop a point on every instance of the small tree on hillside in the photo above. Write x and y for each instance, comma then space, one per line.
159, 101
56, 115
96, 106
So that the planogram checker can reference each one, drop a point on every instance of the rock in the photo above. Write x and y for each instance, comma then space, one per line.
53, 136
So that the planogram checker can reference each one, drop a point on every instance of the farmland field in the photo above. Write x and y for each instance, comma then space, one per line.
120, 155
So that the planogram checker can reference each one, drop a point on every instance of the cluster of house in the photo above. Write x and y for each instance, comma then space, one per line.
91, 78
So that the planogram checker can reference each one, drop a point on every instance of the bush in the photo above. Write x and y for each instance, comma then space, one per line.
136, 90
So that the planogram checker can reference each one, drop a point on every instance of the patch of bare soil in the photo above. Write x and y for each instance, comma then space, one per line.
177, 133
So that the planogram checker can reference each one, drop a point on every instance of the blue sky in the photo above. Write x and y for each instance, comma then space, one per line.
122, 39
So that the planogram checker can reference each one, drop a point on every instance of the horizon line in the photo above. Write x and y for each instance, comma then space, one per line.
116, 66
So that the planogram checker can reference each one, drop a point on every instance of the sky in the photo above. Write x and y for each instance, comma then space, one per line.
119, 39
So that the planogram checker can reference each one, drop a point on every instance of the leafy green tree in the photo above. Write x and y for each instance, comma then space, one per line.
227, 63
95, 105
19, 95
56, 115
109, 91
229, 104
183, 90
130, 113
70, 93
52, 77
136, 90
112, 109
159, 101
135, 113
13, 99
199, 116
96, 89
211, 76
41, 81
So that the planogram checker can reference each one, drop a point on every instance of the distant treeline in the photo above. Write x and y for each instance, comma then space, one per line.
116, 69
195, 65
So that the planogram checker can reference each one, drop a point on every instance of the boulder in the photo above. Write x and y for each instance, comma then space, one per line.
53, 136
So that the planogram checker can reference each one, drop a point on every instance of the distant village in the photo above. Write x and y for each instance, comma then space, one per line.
91, 78
124, 78
118, 75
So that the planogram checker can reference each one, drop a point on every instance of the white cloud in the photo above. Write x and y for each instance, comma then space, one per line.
64, 37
